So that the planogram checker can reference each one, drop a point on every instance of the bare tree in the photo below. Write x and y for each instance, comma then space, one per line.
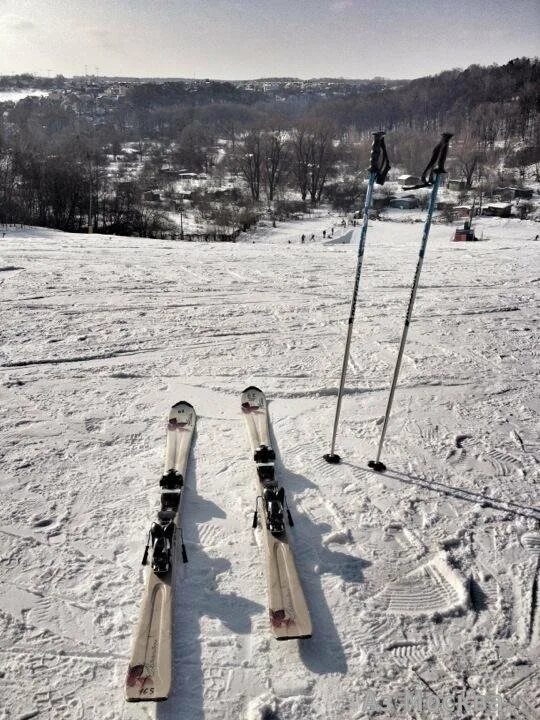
249, 161
467, 158
300, 153
274, 158
322, 159
313, 156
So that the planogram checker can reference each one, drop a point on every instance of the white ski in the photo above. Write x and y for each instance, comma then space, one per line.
289, 614
150, 667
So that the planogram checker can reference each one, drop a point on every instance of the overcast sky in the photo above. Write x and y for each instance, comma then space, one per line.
228, 39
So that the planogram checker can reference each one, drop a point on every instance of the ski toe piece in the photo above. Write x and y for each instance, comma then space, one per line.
378, 466
332, 458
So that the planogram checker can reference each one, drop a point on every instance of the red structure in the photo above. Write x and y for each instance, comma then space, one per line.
465, 234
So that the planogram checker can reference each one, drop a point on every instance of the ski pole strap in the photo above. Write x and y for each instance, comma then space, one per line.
379, 163
436, 164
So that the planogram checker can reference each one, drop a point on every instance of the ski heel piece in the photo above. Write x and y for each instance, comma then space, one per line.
160, 536
162, 549
273, 500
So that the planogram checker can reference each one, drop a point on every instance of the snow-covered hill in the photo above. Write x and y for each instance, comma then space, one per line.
422, 583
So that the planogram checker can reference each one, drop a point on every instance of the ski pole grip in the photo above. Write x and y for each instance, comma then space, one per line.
443, 151
379, 164
375, 152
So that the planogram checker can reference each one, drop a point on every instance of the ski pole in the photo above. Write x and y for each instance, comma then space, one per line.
435, 168
378, 170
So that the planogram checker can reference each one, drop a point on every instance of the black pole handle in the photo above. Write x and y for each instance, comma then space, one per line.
375, 151
442, 148
378, 161
436, 164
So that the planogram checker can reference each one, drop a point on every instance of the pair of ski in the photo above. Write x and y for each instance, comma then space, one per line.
150, 668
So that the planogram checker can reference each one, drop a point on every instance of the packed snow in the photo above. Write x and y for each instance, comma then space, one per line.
422, 582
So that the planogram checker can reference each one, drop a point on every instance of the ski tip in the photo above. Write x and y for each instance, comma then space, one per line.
378, 466
332, 458
251, 387
182, 402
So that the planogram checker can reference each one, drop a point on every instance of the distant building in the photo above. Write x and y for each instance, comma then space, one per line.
462, 210
152, 196
498, 209
379, 202
505, 193
407, 202
406, 180
188, 176
116, 90
167, 169
511, 192
457, 185
523, 193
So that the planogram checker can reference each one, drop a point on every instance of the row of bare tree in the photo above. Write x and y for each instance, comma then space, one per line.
72, 192
305, 157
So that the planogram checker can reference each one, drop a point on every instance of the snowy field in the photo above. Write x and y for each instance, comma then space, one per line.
16, 95
422, 583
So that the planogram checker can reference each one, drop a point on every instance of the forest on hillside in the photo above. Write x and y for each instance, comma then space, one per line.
86, 155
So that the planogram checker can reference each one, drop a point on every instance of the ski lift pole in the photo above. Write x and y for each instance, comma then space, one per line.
435, 169
378, 170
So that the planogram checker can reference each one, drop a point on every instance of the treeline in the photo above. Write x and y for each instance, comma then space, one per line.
64, 166
64, 183
489, 104
155, 95
26, 80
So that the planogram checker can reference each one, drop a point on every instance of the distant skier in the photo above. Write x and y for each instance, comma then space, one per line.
324, 234
303, 238
312, 238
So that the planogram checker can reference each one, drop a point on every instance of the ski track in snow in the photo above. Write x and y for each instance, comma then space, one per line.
424, 579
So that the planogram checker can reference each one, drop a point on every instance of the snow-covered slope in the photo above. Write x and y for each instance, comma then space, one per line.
422, 581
